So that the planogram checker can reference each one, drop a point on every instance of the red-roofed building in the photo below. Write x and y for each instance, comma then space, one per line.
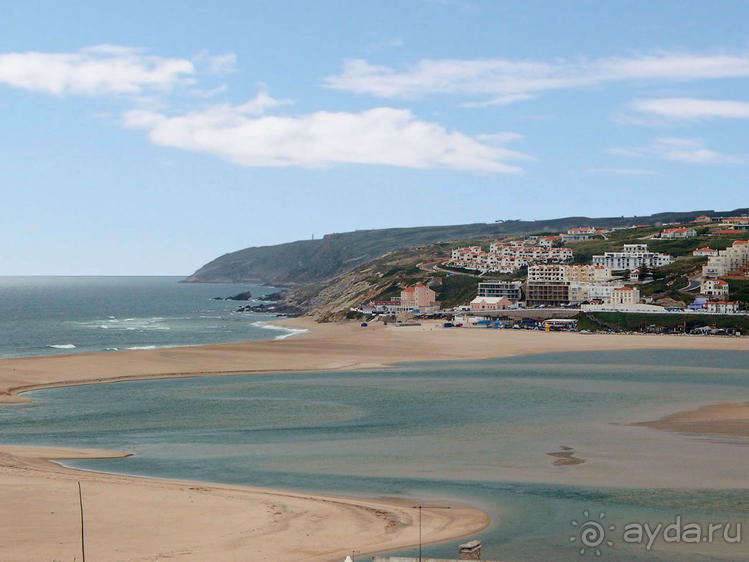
714, 288
678, 233
706, 251
418, 297
625, 295
703, 218
722, 307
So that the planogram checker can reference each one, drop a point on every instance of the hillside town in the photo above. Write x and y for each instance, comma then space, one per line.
543, 272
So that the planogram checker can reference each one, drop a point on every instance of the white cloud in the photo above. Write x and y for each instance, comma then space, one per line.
620, 171
500, 138
216, 64
102, 69
384, 136
691, 108
508, 80
680, 150
498, 101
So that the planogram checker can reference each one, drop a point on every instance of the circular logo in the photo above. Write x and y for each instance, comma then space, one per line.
591, 534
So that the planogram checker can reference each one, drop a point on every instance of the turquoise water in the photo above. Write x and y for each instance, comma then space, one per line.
477, 433
53, 315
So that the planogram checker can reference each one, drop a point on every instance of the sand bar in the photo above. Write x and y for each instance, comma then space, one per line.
128, 518
719, 419
325, 347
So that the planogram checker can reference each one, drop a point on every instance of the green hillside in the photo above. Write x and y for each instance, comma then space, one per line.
309, 261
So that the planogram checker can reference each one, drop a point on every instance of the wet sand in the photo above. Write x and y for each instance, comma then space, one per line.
719, 419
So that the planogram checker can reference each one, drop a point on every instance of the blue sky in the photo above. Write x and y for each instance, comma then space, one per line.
151, 137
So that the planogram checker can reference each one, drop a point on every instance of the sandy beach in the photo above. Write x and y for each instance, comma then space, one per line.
324, 347
132, 518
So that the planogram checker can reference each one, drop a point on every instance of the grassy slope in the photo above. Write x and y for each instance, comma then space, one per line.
310, 261
638, 322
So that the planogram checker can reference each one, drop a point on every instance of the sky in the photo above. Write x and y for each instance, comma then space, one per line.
143, 138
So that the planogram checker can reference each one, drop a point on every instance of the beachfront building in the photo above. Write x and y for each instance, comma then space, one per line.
672, 233
554, 284
484, 304
706, 251
418, 297
586, 292
625, 296
391, 307
631, 257
733, 258
714, 288
512, 290
722, 307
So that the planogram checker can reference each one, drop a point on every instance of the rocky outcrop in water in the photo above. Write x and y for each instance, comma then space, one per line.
274, 297
279, 309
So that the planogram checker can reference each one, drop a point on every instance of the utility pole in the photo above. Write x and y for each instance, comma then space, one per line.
83, 542
420, 507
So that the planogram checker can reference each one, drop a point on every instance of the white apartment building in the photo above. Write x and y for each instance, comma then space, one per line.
555, 273
732, 258
631, 257
582, 292
509, 289
507, 258
722, 307
714, 288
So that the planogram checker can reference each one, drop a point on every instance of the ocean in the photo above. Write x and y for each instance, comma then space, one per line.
54, 315
471, 432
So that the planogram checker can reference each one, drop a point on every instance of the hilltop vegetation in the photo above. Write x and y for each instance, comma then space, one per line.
314, 261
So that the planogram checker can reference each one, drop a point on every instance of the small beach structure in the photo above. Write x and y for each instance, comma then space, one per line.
470, 550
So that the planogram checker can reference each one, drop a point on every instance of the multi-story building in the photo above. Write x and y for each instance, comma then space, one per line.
586, 292
714, 288
733, 258
418, 297
703, 219
512, 290
625, 296
551, 293
631, 257
584, 283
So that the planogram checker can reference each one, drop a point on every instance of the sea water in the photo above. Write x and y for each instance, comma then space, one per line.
55, 315
477, 433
